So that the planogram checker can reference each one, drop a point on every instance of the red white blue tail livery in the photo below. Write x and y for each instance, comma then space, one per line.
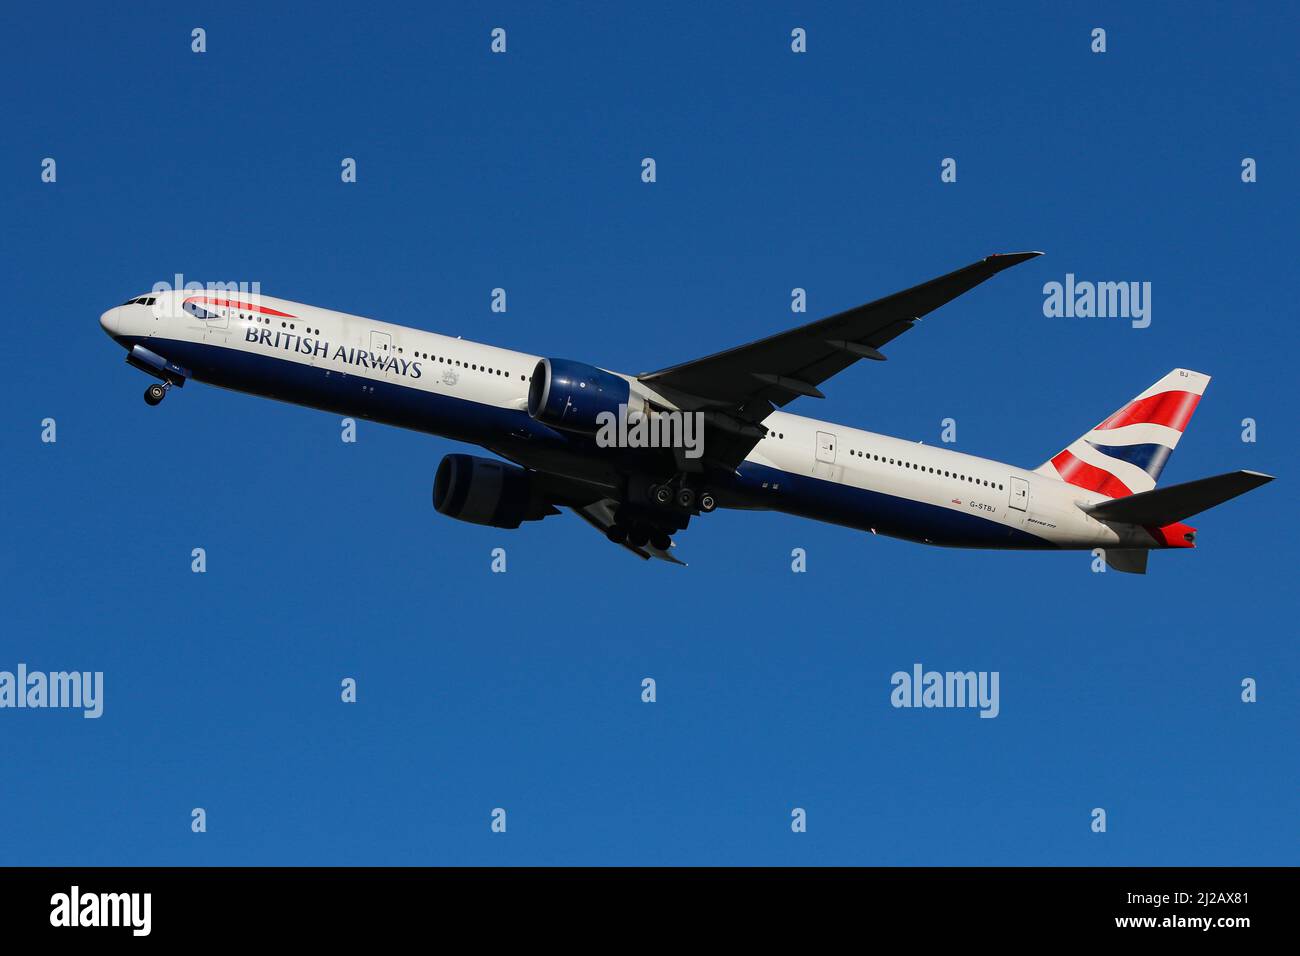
1127, 452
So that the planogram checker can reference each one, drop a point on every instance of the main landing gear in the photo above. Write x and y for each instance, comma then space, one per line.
156, 392
651, 513
629, 530
683, 496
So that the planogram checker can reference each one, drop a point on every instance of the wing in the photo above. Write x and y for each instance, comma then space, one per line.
782, 367
600, 515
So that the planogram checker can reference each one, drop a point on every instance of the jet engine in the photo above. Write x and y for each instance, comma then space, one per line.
571, 395
484, 491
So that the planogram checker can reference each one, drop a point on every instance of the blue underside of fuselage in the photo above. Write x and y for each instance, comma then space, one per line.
880, 513
395, 403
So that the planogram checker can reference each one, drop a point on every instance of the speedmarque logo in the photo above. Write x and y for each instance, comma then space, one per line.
103, 909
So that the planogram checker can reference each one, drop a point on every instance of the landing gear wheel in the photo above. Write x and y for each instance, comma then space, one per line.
685, 498
638, 537
707, 502
661, 494
661, 540
154, 394
616, 533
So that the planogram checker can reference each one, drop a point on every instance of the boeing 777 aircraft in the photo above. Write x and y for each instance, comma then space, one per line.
544, 416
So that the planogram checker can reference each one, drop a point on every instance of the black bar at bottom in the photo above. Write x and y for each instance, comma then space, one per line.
335, 904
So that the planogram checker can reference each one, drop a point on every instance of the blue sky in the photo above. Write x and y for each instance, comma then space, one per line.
522, 690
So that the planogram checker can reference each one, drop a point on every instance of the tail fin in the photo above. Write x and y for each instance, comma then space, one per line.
1125, 454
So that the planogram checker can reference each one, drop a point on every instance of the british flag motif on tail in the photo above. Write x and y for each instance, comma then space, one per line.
1125, 454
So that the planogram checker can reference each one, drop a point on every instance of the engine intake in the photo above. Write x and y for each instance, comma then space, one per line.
572, 395
488, 492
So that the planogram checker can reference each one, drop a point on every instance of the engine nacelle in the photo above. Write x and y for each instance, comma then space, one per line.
571, 395
483, 491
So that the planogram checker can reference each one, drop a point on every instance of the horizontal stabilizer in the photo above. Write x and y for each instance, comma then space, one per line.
1164, 506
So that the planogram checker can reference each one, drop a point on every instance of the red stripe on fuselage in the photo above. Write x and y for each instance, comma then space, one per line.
1173, 409
233, 304
1079, 473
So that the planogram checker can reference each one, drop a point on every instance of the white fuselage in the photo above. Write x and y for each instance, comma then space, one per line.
478, 393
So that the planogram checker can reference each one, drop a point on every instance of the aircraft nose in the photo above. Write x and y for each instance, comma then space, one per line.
109, 321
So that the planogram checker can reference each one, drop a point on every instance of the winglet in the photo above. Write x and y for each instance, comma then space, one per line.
1005, 260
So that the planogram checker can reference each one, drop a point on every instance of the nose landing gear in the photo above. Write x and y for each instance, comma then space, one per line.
151, 363
156, 392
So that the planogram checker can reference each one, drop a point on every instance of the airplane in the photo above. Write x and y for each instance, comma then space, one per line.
543, 417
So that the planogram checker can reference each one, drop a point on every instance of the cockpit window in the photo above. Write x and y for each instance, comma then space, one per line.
141, 300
